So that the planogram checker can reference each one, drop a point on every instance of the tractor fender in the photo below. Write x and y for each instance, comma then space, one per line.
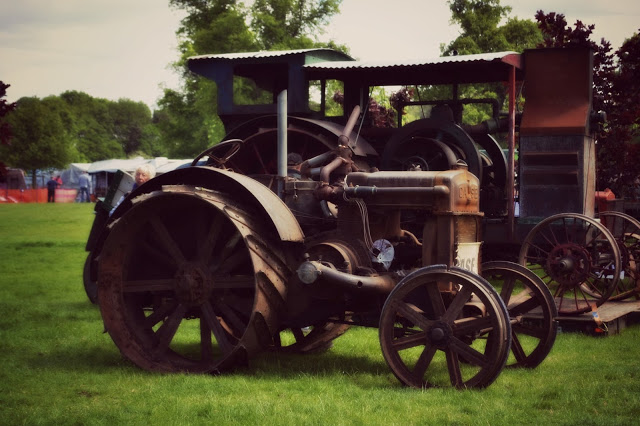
246, 190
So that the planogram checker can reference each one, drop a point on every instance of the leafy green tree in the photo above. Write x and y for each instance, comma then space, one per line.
290, 24
485, 27
39, 138
187, 118
5, 129
89, 127
482, 32
132, 127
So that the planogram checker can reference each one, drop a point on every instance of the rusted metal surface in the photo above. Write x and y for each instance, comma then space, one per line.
383, 231
188, 258
558, 86
577, 258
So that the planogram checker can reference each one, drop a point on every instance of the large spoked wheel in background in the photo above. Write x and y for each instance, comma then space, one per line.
576, 257
189, 282
532, 311
626, 230
433, 338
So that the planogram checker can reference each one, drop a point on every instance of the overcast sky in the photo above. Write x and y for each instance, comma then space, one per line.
122, 48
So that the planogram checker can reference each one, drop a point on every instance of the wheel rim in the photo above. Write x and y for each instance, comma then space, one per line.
531, 308
186, 284
576, 257
429, 339
626, 230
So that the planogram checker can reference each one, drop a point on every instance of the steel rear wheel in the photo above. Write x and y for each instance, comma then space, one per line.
576, 257
432, 338
626, 230
532, 311
188, 282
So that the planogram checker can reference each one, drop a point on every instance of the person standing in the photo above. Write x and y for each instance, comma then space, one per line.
52, 184
85, 186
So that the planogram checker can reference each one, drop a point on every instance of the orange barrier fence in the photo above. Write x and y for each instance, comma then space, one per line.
36, 195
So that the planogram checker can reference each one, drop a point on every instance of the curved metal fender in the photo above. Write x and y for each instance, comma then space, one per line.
264, 201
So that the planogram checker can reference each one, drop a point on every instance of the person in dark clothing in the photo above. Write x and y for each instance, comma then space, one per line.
52, 184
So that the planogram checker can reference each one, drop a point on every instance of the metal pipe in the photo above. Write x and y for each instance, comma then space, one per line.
282, 141
511, 160
348, 128
371, 191
311, 271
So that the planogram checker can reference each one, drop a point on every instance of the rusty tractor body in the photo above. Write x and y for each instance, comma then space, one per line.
309, 217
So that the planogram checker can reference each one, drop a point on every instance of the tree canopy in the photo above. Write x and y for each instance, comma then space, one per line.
187, 118
482, 30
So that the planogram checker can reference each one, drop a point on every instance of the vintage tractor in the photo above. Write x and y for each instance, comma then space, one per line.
295, 227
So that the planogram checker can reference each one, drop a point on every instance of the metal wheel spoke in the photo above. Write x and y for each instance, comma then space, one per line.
206, 349
226, 251
259, 158
435, 300
468, 353
470, 325
161, 257
160, 314
206, 249
168, 329
507, 289
453, 365
453, 311
218, 331
166, 240
233, 261
140, 286
410, 341
424, 361
411, 313
516, 347
298, 334
522, 308
230, 316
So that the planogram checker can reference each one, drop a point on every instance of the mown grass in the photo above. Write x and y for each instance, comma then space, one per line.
59, 368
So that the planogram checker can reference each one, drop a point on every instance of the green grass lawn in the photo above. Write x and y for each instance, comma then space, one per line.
58, 367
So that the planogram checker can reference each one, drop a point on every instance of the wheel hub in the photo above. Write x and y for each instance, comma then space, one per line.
439, 334
193, 283
569, 265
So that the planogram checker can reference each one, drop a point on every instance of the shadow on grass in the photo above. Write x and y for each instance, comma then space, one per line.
97, 356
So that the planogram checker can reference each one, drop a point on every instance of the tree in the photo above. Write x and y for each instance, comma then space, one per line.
483, 31
5, 129
188, 118
132, 127
89, 127
39, 140
290, 24
480, 22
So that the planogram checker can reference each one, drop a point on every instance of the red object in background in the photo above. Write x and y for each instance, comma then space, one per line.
602, 197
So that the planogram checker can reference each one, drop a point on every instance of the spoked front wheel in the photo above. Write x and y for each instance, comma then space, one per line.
531, 308
445, 327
